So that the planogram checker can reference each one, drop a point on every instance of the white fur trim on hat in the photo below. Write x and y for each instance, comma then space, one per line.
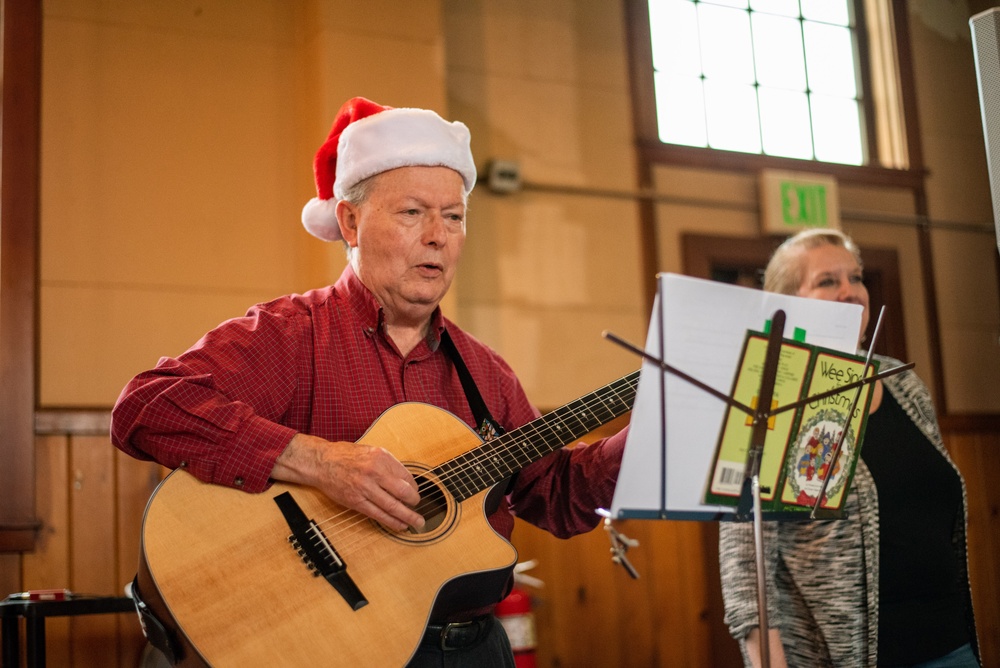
320, 219
401, 138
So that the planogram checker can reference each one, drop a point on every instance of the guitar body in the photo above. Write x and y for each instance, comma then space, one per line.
232, 588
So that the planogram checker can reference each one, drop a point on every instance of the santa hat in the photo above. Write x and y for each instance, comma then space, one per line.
367, 139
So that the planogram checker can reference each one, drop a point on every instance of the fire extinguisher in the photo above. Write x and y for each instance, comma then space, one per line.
514, 612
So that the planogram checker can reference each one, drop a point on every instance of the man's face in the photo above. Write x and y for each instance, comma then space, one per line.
406, 238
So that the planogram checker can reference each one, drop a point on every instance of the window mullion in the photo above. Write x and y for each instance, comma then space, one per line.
701, 71
809, 97
756, 81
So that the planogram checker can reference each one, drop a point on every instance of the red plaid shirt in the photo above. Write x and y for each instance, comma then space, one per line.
320, 363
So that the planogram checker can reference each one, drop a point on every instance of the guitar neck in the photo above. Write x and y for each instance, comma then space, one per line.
498, 459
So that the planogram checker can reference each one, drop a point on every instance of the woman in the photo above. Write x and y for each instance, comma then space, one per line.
888, 585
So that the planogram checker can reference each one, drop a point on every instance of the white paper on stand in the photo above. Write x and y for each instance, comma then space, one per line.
704, 325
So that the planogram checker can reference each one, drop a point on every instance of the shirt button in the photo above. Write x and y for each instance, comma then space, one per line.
184, 464
238, 482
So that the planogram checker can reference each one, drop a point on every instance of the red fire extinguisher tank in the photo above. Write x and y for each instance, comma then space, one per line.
514, 612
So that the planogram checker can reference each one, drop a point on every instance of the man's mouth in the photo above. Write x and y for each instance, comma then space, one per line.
430, 267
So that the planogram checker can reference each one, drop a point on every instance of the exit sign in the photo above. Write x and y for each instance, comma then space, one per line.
793, 201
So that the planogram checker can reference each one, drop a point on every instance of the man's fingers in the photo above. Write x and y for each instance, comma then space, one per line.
408, 492
394, 513
372, 481
382, 517
398, 482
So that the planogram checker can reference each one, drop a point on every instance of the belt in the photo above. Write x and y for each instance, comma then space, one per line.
457, 635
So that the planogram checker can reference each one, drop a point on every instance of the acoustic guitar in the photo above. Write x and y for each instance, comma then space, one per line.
287, 577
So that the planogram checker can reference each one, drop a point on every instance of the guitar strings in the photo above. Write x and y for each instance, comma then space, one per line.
507, 443
489, 450
358, 527
350, 526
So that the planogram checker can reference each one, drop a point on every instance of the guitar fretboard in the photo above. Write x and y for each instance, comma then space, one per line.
498, 459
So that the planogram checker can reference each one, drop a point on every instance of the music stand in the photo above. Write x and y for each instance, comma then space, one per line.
749, 506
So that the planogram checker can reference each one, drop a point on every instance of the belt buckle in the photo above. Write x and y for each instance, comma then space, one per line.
443, 641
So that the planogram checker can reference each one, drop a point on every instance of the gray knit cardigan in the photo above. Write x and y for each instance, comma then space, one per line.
822, 576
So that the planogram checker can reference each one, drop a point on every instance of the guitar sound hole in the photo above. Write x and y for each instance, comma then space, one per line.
433, 505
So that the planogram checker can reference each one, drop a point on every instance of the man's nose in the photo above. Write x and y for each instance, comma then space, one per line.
435, 232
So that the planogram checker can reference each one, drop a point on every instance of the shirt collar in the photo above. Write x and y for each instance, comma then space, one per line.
369, 312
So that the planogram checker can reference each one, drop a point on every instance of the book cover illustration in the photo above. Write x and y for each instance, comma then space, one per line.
821, 424
798, 448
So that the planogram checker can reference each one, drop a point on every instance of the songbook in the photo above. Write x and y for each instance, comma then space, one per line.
700, 327
801, 440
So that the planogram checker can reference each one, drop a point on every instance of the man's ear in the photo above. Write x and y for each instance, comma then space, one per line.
347, 219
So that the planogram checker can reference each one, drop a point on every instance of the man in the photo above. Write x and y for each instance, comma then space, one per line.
285, 392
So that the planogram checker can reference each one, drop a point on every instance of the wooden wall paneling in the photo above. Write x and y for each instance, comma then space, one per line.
577, 611
975, 454
94, 638
20, 129
136, 482
643, 634
631, 626
48, 567
530, 544
551, 600
657, 569
595, 596
638, 627
723, 650
576, 602
591, 613
677, 575
10, 580
564, 618
599, 599
698, 568
10, 573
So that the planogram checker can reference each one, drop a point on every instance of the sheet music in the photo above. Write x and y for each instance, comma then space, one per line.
704, 324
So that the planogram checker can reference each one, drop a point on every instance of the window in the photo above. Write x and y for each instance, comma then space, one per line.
778, 77
813, 85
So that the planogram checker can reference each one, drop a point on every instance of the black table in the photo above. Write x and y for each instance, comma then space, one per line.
34, 614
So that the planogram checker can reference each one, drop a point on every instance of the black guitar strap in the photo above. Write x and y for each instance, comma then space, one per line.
487, 427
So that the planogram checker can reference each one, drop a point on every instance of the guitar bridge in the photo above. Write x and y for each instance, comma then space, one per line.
317, 552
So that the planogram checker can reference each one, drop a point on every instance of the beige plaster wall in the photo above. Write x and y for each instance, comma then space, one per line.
177, 144
545, 84
161, 214
177, 147
528, 80
965, 263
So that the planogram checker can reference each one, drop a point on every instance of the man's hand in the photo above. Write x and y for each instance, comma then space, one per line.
356, 476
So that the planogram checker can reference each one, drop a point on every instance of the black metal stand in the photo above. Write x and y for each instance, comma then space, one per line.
34, 614
758, 435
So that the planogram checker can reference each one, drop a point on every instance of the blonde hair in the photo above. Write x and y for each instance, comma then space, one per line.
784, 270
